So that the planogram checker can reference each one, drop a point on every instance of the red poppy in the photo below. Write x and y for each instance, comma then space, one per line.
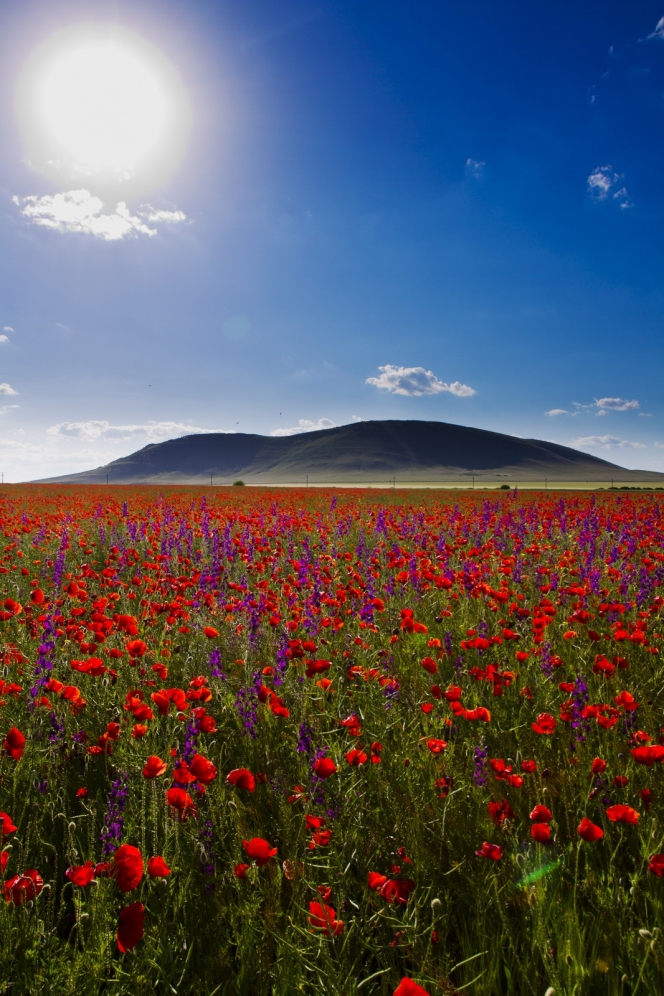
589, 831
139, 730
376, 881
22, 888
324, 918
14, 743
81, 875
409, 988
622, 814
6, 827
211, 632
130, 927
157, 867
545, 724
529, 767
259, 850
541, 832
493, 851
178, 799
203, 770
136, 648
242, 778
500, 811
656, 865
154, 767
314, 822
240, 871
598, 766
127, 867
429, 665
356, 757
648, 755
541, 814
4, 858
436, 746
324, 767
397, 890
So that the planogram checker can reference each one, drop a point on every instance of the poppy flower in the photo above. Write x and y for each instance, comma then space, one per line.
598, 766
127, 867
242, 778
136, 648
541, 814
356, 757
529, 767
139, 730
203, 770
321, 838
656, 865
6, 825
500, 811
429, 665
81, 875
14, 743
324, 767
493, 851
435, 746
157, 867
178, 799
4, 858
541, 833
130, 927
376, 881
589, 831
409, 988
622, 814
545, 724
314, 822
211, 632
154, 767
240, 871
648, 755
324, 918
21, 889
259, 850
397, 890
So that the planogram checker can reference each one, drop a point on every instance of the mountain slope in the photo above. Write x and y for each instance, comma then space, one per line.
363, 452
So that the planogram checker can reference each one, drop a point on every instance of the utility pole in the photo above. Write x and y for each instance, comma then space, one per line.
307, 480
473, 482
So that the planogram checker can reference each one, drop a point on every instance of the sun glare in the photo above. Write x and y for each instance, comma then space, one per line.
102, 104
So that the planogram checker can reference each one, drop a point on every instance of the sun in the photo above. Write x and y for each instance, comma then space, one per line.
101, 105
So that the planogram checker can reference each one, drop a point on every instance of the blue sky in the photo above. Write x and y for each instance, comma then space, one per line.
432, 210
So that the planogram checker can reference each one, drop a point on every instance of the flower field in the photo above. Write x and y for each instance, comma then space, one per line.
275, 742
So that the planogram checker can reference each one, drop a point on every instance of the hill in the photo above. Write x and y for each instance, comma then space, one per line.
363, 452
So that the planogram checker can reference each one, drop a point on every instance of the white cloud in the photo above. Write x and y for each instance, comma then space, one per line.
305, 425
606, 443
81, 211
658, 32
95, 429
6, 408
4, 338
557, 411
602, 184
616, 404
357, 418
416, 381
7, 389
154, 214
475, 168
7, 328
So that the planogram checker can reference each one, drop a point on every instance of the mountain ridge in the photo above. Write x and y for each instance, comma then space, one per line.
361, 452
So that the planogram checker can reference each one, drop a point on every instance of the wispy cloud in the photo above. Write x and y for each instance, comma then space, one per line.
600, 406
658, 32
81, 211
4, 338
95, 429
604, 183
475, 168
305, 425
415, 381
7, 389
7, 328
557, 411
605, 443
